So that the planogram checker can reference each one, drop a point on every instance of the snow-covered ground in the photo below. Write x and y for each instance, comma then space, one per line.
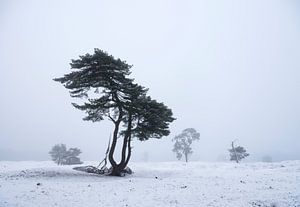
153, 184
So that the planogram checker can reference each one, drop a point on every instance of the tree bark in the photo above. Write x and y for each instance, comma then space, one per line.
114, 165
117, 169
126, 139
126, 146
129, 150
113, 145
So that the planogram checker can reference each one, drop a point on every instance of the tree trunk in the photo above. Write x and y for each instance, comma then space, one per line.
186, 157
126, 140
236, 158
117, 171
113, 146
126, 143
129, 150
115, 167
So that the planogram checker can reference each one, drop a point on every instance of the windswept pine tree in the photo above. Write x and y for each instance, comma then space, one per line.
104, 83
237, 153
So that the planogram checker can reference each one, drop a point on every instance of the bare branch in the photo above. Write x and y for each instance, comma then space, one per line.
111, 118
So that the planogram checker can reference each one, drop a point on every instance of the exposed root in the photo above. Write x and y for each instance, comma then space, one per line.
92, 169
105, 171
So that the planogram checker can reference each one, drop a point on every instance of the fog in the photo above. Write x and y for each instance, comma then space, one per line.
229, 69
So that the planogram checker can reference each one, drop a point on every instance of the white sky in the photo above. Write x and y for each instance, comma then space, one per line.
230, 69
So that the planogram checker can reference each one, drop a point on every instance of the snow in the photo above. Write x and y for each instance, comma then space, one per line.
152, 184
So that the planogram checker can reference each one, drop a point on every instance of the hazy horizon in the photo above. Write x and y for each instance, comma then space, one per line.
229, 69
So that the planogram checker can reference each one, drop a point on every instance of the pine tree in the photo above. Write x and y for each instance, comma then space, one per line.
104, 83
61, 156
71, 156
58, 153
237, 153
183, 141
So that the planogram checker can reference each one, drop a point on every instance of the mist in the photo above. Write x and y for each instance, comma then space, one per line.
229, 69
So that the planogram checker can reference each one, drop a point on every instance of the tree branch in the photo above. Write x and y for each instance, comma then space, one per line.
111, 118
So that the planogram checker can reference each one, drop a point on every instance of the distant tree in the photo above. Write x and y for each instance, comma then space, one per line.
71, 157
237, 153
58, 153
61, 156
183, 141
103, 81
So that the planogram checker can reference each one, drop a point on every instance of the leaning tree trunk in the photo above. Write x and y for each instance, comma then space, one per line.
118, 169
126, 144
115, 168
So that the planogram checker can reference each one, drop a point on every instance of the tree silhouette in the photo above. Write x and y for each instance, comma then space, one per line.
104, 83
183, 141
237, 153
